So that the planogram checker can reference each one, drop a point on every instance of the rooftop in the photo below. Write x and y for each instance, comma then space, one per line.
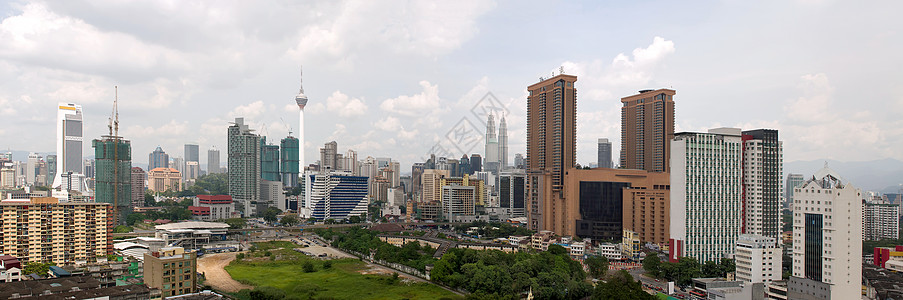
192, 225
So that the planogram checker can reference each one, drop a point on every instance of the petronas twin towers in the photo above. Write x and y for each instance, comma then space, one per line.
496, 145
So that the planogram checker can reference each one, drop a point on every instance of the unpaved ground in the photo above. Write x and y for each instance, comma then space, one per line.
212, 266
317, 250
381, 270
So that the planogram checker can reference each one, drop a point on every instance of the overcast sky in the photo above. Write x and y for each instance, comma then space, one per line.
392, 78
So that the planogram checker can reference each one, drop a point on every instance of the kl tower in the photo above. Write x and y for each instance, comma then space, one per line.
301, 100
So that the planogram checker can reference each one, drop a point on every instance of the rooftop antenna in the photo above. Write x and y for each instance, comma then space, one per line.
561, 70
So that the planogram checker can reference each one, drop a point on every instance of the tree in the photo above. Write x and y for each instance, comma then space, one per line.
354, 219
557, 250
271, 214
267, 293
122, 229
598, 265
289, 220
307, 266
652, 265
37, 268
236, 223
620, 285
327, 265
133, 218
149, 200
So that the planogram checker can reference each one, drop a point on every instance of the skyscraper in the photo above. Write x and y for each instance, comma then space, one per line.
647, 126
192, 162
793, 181
31, 167
269, 161
191, 152
604, 159
213, 165
289, 161
328, 157
763, 164
503, 144
113, 175
139, 186
476, 163
551, 141
157, 159
705, 200
51, 167
244, 165
491, 161
68, 142
827, 247
301, 100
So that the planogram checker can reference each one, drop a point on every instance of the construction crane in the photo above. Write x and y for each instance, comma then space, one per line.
286, 126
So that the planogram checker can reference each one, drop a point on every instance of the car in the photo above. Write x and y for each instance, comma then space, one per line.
657, 280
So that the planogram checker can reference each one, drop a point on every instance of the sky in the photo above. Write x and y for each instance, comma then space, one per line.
404, 79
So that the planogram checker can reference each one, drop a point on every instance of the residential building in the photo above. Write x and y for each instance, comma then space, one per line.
10, 269
705, 203
481, 191
157, 159
647, 127
43, 229
793, 181
244, 166
457, 201
604, 157
213, 165
164, 179
288, 160
75, 287
113, 178
431, 181
827, 248
271, 195
172, 270
329, 157
139, 186
68, 142
758, 259
212, 207
763, 167
631, 245
551, 143
335, 195
880, 220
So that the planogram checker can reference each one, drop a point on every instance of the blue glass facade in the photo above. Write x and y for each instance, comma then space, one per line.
345, 196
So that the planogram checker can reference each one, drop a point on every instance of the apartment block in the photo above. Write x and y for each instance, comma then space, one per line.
172, 270
758, 259
46, 230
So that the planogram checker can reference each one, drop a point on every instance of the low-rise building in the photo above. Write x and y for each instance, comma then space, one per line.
758, 259
74, 287
10, 269
191, 234
164, 179
610, 251
172, 270
541, 240
630, 245
212, 207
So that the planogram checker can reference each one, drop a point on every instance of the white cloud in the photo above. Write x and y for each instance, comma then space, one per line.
250, 112
414, 105
345, 106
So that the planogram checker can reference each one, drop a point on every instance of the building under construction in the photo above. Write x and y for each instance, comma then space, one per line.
113, 169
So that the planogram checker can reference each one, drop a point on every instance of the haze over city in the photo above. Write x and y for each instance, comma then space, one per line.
392, 79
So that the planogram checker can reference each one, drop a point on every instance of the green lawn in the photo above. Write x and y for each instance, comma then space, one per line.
341, 281
275, 245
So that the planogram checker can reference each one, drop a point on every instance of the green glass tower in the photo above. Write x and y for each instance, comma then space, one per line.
269, 161
113, 165
289, 161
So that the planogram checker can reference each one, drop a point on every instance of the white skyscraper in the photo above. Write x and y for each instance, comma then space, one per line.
503, 144
30, 166
491, 161
68, 142
705, 194
301, 100
827, 246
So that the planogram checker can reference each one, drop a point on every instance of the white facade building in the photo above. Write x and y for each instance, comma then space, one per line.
762, 181
758, 259
827, 247
68, 141
705, 194
880, 221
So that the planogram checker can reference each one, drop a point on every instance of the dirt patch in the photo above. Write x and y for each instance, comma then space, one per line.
374, 269
212, 266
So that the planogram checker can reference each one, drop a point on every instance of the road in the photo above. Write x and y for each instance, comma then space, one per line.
647, 282
212, 266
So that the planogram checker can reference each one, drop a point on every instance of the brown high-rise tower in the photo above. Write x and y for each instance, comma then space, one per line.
647, 127
551, 141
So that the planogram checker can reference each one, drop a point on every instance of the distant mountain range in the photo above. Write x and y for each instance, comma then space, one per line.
883, 175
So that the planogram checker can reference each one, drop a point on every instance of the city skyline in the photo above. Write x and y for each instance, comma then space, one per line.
382, 101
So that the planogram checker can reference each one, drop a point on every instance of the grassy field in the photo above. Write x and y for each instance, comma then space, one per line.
340, 281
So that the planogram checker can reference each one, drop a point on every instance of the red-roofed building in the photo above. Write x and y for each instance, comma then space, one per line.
212, 207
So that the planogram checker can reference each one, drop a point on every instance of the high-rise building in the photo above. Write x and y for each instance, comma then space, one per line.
301, 100
336, 196
192, 162
177, 163
68, 141
172, 270
350, 163
271, 195
244, 165
793, 181
164, 179
491, 161
763, 167
827, 247
519, 161
213, 164
328, 157
604, 160
512, 191
551, 141
289, 161
476, 163
139, 186
45, 229
269, 161
705, 203
51, 167
880, 220
157, 159
113, 177
503, 144
431, 182
758, 259
647, 126
481, 195
457, 201
31, 168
